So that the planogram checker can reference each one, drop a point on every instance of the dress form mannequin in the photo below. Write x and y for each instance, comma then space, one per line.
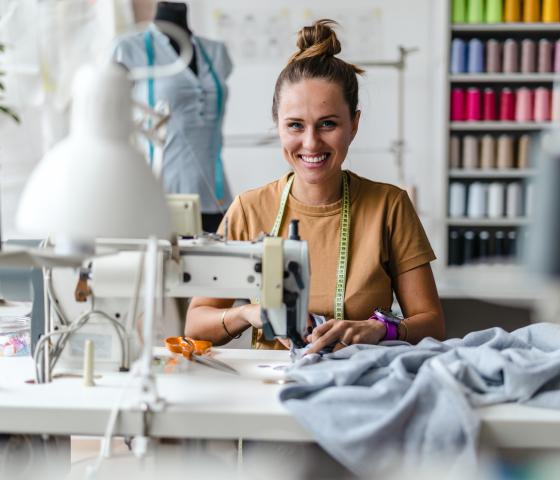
176, 13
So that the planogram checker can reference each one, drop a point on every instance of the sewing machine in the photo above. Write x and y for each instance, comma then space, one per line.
273, 270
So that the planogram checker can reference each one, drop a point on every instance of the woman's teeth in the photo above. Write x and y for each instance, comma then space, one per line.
313, 158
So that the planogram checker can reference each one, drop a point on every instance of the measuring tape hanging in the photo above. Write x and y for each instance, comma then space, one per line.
218, 164
343, 242
149, 44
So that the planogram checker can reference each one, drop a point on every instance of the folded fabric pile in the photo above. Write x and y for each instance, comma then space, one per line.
372, 405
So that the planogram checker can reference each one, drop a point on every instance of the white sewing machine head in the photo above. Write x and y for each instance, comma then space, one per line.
272, 270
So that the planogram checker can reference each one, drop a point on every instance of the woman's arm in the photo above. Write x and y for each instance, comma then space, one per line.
417, 295
205, 315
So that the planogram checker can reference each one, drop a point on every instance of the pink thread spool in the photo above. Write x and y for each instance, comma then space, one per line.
473, 105
510, 57
489, 105
523, 105
542, 104
457, 105
557, 57
544, 64
507, 105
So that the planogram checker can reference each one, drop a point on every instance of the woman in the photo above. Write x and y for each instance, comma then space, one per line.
315, 110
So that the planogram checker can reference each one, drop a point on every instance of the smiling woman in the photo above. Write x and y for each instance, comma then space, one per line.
365, 240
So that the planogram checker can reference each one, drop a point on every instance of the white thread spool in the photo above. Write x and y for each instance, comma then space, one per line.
88, 364
477, 201
457, 197
496, 194
514, 204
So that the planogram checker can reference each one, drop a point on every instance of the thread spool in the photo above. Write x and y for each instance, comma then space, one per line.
523, 105
459, 12
500, 243
454, 152
512, 11
484, 250
557, 57
514, 200
493, 56
488, 152
511, 243
455, 248
496, 196
545, 56
550, 11
457, 199
475, 11
507, 105
542, 105
510, 56
88, 364
457, 105
555, 107
489, 105
469, 246
475, 56
530, 199
528, 56
470, 152
493, 11
505, 152
472, 106
531, 11
458, 56
476, 200
523, 151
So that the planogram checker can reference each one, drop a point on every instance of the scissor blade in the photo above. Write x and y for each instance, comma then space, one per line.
213, 363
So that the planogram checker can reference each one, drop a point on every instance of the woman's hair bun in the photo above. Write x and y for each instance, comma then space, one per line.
317, 40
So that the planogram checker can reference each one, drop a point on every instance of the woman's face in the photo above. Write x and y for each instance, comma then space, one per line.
315, 128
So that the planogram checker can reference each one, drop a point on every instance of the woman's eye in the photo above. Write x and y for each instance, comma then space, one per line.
295, 125
328, 124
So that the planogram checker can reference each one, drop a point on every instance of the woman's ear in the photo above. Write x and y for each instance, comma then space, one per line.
355, 123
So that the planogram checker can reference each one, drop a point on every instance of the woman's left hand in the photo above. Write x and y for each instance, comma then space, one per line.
343, 333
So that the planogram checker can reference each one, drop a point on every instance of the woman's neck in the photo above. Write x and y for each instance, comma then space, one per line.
323, 193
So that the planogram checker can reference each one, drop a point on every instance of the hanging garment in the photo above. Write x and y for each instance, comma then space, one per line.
192, 151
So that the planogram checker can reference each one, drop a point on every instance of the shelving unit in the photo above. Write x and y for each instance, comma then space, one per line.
503, 226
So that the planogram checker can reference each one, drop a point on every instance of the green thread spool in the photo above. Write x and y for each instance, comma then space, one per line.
475, 11
459, 12
493, 11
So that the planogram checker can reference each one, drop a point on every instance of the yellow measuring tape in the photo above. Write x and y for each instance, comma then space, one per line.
343, 243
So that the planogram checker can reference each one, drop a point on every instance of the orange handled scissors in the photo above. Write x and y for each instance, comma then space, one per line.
196, 350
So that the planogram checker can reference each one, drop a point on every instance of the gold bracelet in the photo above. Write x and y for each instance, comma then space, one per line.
225, 328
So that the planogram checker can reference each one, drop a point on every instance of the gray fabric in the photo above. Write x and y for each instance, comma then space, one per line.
372, 405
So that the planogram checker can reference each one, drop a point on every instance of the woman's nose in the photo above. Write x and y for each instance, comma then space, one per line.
311, 139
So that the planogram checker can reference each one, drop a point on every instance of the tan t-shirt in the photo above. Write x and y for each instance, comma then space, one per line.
386, 240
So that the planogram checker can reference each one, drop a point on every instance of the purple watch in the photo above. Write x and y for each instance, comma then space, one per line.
390, 321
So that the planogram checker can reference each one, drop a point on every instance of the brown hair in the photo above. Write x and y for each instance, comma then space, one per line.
318, 46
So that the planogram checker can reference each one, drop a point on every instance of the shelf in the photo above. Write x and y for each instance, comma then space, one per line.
504, 77
479, 173
488, 222
505, 27
501, 126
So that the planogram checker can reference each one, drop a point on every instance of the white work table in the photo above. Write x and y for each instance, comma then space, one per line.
207, 404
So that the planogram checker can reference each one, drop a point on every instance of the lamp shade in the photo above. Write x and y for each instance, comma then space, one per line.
94, 183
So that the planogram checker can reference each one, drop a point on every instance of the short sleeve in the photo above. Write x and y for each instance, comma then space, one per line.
409, 246
236, 221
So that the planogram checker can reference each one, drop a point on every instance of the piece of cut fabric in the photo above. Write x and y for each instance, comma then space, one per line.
386, 239
372, 405
194, 136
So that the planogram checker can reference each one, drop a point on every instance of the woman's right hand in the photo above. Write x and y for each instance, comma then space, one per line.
252, 315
